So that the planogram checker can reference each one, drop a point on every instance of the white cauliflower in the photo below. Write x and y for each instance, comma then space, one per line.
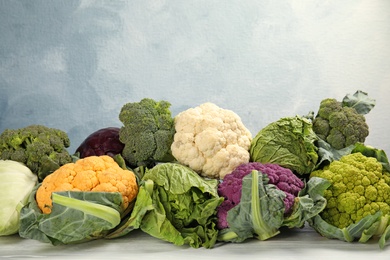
211, 140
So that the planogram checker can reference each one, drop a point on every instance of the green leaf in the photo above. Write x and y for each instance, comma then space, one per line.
143, 204
75, 217
328, 154
260, 212
385, 235
66, 200
309, 202
368, 227
360, 102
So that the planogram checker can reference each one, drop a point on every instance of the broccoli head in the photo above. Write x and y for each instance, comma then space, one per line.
147, 132
339, 125
40, 148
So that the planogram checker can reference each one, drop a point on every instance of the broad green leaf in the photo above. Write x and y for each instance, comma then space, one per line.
75, 217
328, 154
260, 212
360, 102
309, 202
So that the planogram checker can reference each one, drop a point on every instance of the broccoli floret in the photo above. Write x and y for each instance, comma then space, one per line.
339, 125
40, 148
147, 132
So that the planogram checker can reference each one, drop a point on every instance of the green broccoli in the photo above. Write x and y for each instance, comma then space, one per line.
342, 124
147, 132
358, 199
40, 148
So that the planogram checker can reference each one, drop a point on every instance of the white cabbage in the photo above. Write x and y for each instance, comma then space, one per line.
16, 184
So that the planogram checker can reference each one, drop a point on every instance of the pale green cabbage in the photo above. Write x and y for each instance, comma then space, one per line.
16, 183
288, 142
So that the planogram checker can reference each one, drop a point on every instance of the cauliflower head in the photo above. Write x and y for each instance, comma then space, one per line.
339, 125
359, 187
93, 173
210, 140
231, 186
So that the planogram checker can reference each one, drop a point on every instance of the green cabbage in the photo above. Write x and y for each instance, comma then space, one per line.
289, 142
16, 183
175, 204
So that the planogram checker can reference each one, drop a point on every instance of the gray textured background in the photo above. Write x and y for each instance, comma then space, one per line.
73, 64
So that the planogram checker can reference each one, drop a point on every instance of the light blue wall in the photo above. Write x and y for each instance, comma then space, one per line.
73, 64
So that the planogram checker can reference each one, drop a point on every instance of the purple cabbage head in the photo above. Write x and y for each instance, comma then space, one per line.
104, 141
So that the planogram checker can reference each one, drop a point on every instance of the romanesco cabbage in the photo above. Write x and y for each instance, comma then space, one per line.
359, 188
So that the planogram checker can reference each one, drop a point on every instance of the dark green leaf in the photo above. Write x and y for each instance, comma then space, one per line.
75, 217
328, 154
359, 101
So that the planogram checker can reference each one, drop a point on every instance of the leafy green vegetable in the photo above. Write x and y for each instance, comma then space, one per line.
75, 217
288, 142
175, 204
16, 183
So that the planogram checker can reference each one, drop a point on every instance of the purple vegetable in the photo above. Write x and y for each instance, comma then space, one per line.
230, 188
101, 142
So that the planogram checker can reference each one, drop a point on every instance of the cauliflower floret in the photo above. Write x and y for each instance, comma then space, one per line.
210, 140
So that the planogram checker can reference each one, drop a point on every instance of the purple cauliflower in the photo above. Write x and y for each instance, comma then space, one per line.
104, 141
230, 188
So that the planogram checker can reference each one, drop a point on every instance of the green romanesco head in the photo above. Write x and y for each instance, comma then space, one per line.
359, 187
339, 125
40, 148
147, 132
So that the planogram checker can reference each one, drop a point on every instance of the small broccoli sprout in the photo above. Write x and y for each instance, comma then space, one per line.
147, 132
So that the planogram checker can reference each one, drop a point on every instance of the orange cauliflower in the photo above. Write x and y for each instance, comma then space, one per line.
93, 173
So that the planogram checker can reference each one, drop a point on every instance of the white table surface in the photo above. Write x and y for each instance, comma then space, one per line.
300, 244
